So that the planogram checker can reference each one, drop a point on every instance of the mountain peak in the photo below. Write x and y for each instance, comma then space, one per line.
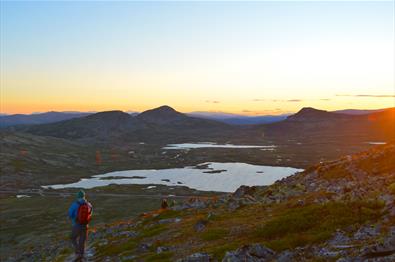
109, 115
161, 115
164, 108
310, 110
313, 114
161, 109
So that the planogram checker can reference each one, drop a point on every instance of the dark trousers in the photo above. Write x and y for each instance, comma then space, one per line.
79, 234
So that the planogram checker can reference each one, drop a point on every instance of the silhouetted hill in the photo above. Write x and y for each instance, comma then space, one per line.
42, 118
159, 124
103, 124
169, 119
161, 115
309, 114
310, 120
310, 123
383, 122
387, 114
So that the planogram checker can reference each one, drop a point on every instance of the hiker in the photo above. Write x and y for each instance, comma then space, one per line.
80, 213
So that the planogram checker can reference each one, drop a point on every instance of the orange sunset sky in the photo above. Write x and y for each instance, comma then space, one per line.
246, 58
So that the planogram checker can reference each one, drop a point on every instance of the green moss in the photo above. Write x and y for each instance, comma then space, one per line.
164, 256
66, 251
214, 234
152, 231
218, 251
391, 188
116, 248
168, 214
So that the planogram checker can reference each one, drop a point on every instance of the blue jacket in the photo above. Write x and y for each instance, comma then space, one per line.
73, 210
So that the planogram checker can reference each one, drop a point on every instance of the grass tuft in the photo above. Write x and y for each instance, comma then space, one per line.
314, 223
214, 234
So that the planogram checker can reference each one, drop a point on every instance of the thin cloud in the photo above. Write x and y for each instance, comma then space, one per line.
364, 95
325, 99
278, 100
213, 101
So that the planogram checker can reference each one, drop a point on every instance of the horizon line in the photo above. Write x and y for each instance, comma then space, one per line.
257, 114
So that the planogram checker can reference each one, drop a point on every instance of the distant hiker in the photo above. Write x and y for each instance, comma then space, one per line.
164, 204
80, 213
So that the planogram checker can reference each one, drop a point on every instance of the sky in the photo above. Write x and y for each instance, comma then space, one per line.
248, 58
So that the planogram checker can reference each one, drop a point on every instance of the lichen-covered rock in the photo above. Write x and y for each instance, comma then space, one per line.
339, 239
253, 253
144, 247
367, 232
197, 257
128, 233
242, 191
233, 205
169, 220
386, 247
200, 225
162, 249
327, 253
285, 256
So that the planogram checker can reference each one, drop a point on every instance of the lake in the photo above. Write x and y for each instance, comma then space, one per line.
212, 145
376, 143
212, 176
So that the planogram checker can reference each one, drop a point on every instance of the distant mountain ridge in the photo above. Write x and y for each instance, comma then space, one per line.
359, 111
164, 123
234, 119
7, 120
96, 125
213, 115
41, 118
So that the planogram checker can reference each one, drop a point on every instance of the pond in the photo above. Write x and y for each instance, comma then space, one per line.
376, 143
213, 145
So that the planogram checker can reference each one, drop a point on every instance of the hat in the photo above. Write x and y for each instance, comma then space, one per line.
81, 194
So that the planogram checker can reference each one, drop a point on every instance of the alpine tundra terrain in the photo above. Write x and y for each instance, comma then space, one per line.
341, 210
295, 218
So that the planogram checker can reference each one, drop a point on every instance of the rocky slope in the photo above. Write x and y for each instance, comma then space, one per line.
335, 211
